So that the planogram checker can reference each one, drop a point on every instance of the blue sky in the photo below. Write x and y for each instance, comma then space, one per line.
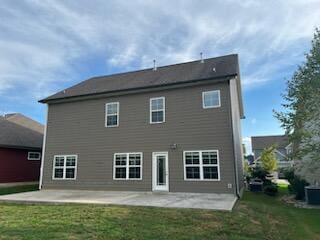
46, 46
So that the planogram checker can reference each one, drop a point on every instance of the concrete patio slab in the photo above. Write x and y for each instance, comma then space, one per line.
169, 200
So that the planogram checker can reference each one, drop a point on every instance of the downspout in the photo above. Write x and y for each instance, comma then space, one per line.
234, 151
43, 147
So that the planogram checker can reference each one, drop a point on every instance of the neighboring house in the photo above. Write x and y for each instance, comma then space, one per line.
24, 121
283, 148
174, 128
20, 149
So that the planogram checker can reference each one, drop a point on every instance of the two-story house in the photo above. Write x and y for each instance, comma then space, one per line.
173, 128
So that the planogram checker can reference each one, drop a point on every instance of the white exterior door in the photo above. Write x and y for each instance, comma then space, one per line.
160, 171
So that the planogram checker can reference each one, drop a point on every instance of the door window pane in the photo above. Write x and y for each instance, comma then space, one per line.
161, 170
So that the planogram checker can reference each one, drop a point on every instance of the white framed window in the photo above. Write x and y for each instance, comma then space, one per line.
201, 165
65, 167
157, 110
127, 166
34, 156
112, 114
211, 99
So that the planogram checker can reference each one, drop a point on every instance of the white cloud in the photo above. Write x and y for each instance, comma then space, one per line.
253, 121
41, 42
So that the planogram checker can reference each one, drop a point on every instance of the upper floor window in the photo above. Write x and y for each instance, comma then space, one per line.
112, 114
157, 110
64, 167
34, 156
201, 165
211, 99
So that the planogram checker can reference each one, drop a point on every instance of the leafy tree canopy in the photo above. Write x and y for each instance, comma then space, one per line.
268, 159
301, 119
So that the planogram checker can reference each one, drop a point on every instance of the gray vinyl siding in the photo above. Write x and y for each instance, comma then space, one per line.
79, 128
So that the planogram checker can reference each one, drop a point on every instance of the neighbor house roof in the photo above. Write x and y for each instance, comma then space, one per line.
24, 121
16, 136
216, 69
261, 142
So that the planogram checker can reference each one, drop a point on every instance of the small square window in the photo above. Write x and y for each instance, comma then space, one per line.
34, 156
211, 99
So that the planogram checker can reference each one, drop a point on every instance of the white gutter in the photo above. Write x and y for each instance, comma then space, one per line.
43, 147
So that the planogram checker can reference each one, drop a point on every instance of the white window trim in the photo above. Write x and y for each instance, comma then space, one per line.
201, 165
65, 167
216, 106
127, 167
117, 114
30, 158
164, 109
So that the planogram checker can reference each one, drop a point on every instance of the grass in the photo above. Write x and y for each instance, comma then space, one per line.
17, 189
256, 216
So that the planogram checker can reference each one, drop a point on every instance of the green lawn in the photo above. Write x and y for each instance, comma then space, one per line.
256, 216
17, 189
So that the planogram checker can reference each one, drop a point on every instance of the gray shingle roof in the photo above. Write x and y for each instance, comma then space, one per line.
224, 66
17, 136
261, 142
25, 121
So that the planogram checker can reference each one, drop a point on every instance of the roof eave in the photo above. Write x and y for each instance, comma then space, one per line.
21, 147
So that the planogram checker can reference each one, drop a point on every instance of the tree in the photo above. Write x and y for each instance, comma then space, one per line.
301, 119
268, 159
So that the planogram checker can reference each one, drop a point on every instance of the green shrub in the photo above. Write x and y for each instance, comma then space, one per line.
258, 172
288, 174
297, 185
270, 189
267, 182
